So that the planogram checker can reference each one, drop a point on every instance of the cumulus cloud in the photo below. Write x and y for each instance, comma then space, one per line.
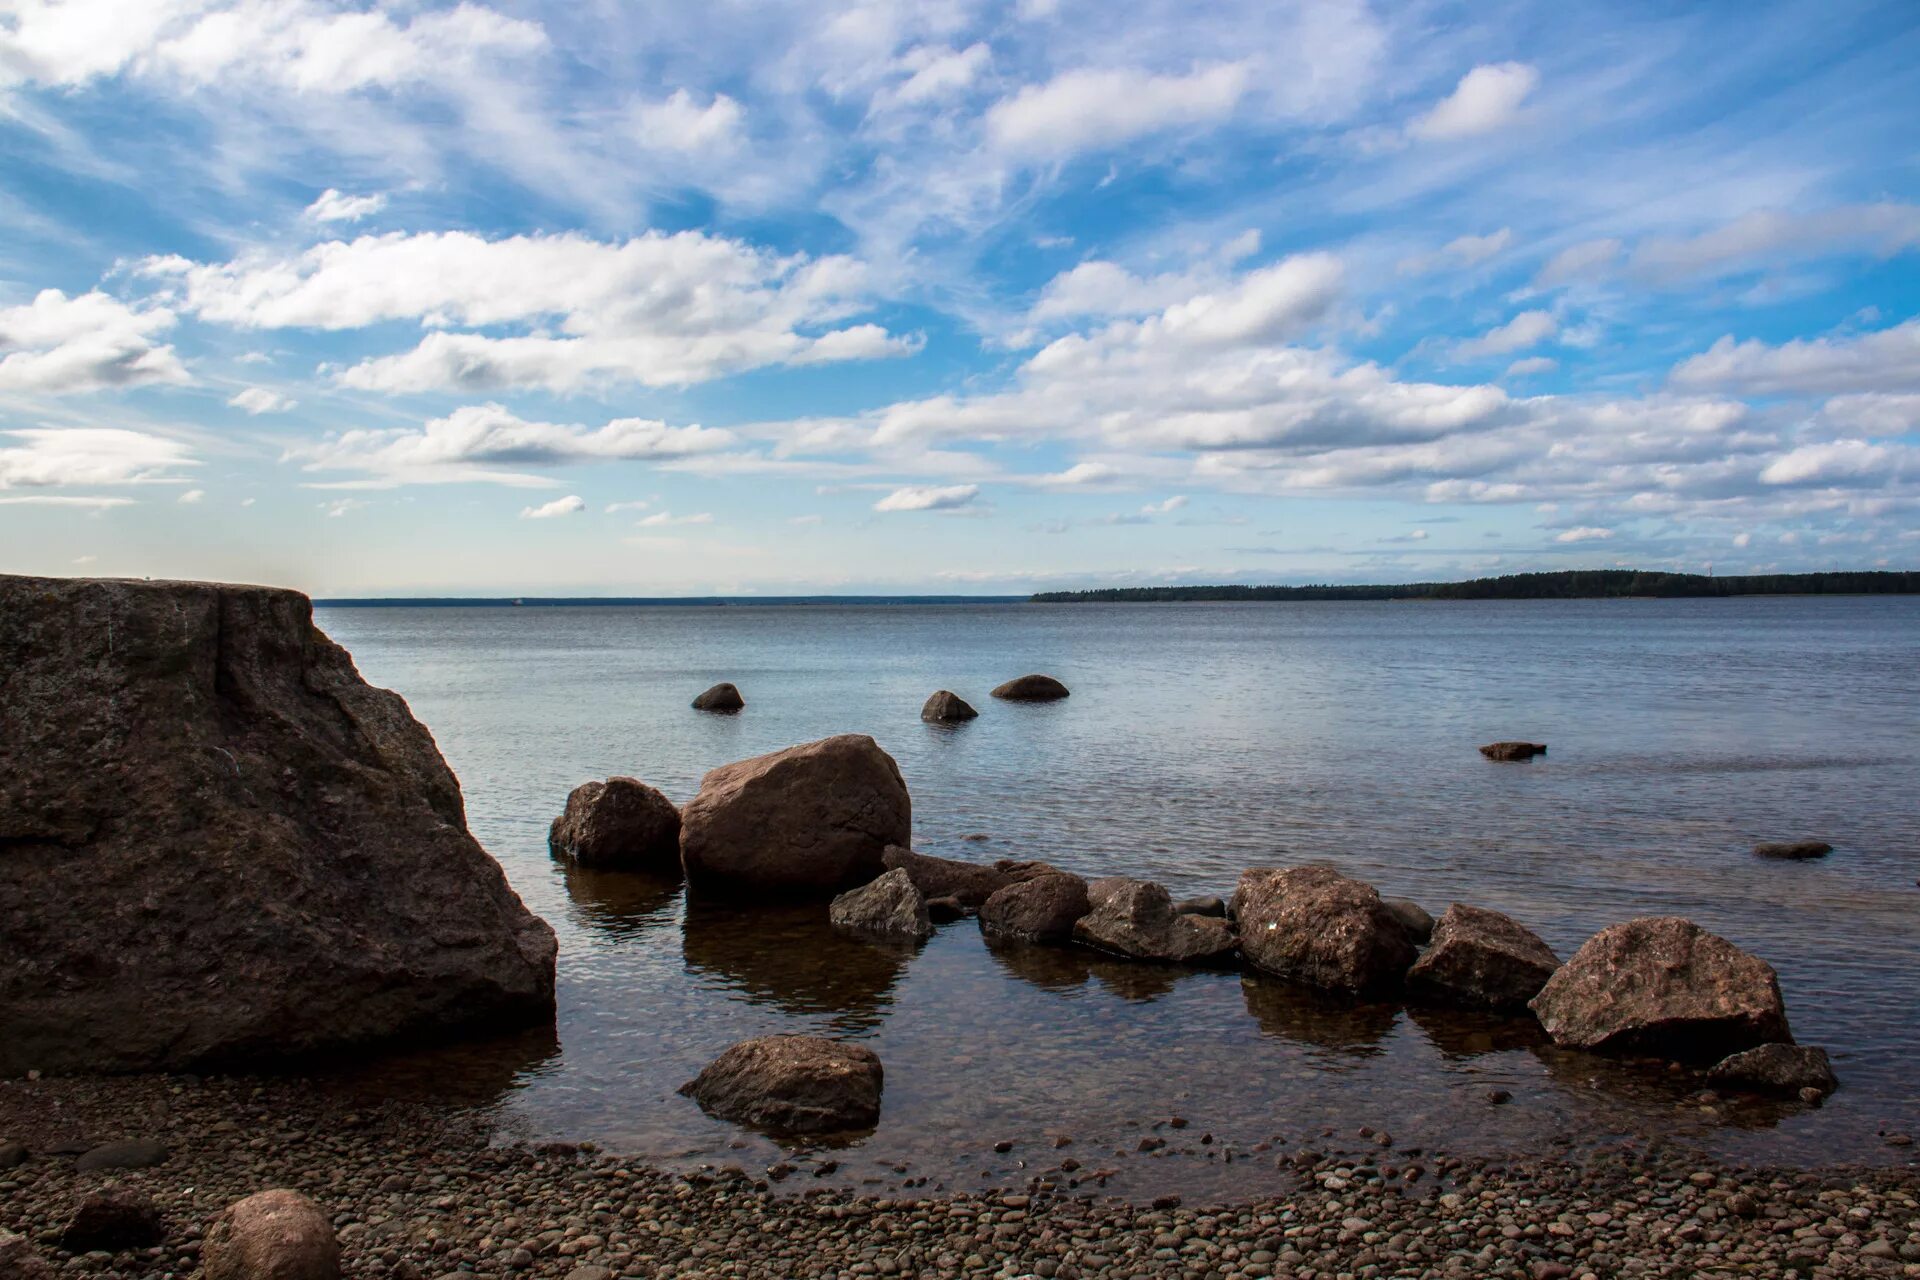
45, 457
1087, 110
1886, 360
259, 400
1164, 506
1487, 98
1828, 462
1583, 533
62, 345
678, 123
921, 497
1528, 329
191, 497
571, 505
1531, 365
336, 206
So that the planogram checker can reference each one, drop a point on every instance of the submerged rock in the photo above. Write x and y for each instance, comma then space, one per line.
1034, 688
811, 820
1136, 918
1513, 750
621, 824
968, 882
1776, 1068
1663, 985
722, 697
220, 844
1793, 850
272, 1235
1318, 927
1481, 959
1201, 907
945, 910
792, 1084
1412, 917
946, 708
1043, 909
889, 907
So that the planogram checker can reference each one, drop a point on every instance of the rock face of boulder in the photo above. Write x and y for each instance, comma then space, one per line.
1034, 688
792, 1084
809, 821
18, 1261
1664, 985
1136, 918
1043, 909
1413, 917
1315, 926
113, 1218
1483, 960
889, 907
947, 708
219, 844
722, 697
1776, 1068
969, 882
273, 1235
621, 824
1793, 850
1513, 750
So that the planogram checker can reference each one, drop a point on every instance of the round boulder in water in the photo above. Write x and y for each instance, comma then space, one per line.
722, 697
947, 708
1033, 688
792, 1084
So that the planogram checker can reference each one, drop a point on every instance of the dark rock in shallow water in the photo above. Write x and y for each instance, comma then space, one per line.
792, 1084
722, 697
1794, 850
1412, 917
1481, 959
945, 910
1018, 869
1035, 688
1043, 909
811, 820
1136, 918
969, 882
1315, 926
113, 1218
621, 824
889, 907
1663, 985
946, 708
1776, 1068
132, 1153
1201, 907
272, 1235
1513, 750
222, 845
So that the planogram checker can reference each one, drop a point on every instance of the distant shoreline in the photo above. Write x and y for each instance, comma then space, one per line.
1572, 584
568, 602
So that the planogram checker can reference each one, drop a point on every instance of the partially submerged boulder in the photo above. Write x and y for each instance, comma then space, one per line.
621, 824
1788, 1069
1136, 918
969, 882
1793, 850
1412, 917
1318, 927
1481, 959
808, 821
1203, 906
1663, 985
889, 907
1513, 750
792, 1084
722, 697
219, 844
1042, 909
272, 1235
947, 708
1034, 688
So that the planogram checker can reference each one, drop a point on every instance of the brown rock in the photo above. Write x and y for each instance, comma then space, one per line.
1043, 909
1794, 851
221, 844
113, 1218
945, 910
969, 882
1315, 926
1513, 750
1136, 918
18, 1261
1776, 1068
722, 697
273, 1235
808, 821
1413, 918
1207, 906
129, 1153
1017, 869
1035, 688
1663, 985
792, 1084
946, 708
621, 824
1482, 960
889, 907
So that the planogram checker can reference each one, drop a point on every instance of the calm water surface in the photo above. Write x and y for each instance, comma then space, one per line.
1201, 739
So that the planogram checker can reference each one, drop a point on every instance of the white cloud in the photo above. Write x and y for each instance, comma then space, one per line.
938, 73
638, 504
1487, 98
191, 497
1742, 539
1577, 262
1164, 506
1087, 110
676, 123
1531, 365
661, 519
1462, 251
1528, 329
56, 456
571, 505
336, 508
63, 500
1584, 533
259, 400
920, 497
1835, 460
1882, 361
91, 342
335, 206
1767, 237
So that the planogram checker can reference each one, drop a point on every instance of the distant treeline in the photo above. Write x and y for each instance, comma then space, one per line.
1571, 584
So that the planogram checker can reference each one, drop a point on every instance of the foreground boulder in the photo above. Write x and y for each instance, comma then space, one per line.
722, 697
968, 882
1043, 909
1035, 688
889, 907
1481, 959
1136, 918
1663, 985
1315, 926
1793, 850
811, 821
217, 843
1789, 1069
273, 1235
621, 824
1513, 750
947, 708
113, 1218
792, 1084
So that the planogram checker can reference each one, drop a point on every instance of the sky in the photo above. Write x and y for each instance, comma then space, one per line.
602, 297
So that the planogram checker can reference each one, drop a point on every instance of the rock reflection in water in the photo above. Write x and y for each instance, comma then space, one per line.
1470, 1033
1639, 1086
619, 904
1057, 968
1349, 1028
473, 1073
791, 958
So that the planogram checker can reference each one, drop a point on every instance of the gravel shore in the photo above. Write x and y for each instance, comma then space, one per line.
419, 1192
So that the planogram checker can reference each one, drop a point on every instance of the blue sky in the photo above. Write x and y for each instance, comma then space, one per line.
601, 297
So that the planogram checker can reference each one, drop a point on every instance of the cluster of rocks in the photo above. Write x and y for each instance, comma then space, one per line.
943, 707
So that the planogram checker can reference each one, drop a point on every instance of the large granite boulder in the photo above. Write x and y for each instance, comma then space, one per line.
1035, 688
1315, 926
218, 843
792, 1084
1663, 985
272, 1235
1043, 909
1776, 1068
808, 821
947, 708
1136, 918
621, 824
889, 907
1481, 959
969, 882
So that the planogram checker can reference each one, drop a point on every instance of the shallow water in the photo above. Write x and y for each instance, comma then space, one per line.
1199, 740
